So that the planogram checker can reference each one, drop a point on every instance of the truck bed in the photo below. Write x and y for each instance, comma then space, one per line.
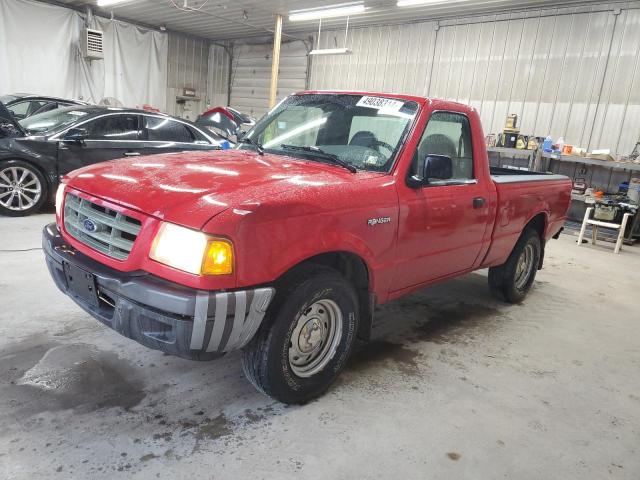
519, 193
510, 175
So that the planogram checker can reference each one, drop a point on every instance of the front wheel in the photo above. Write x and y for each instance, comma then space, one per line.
23, 189
306, 337
512, 281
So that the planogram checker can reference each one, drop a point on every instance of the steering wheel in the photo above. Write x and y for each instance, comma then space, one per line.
380, 143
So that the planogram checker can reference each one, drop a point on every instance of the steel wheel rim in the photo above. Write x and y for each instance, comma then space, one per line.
315, 338
20, 188
525, 266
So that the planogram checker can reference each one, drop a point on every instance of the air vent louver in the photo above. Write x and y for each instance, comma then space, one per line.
92, 45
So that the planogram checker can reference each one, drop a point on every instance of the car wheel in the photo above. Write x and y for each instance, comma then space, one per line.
512, 281
306, 337
23, 189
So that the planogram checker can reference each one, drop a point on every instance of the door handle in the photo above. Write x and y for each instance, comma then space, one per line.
131, 154
478, 202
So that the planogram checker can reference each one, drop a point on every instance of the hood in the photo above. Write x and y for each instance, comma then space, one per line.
9, 126
189, 188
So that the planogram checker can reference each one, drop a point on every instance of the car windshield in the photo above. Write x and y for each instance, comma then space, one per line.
51, 121
364, 131
8, 98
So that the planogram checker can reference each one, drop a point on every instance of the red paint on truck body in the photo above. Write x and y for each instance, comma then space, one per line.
279, 211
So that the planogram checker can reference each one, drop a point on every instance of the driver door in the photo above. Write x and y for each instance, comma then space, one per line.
443, 225
108, 137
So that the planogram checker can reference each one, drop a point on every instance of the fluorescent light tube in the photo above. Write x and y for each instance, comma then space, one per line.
413, 3
331, 51
340, 10
107, 3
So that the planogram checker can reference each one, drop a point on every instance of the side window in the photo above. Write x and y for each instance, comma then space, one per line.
45, 108
19, 109
166, 130
449, 134
199, 137
113, 127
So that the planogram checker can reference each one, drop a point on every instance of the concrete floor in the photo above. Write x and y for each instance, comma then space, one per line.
454, 385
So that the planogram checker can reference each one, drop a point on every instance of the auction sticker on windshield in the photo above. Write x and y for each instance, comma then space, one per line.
380, 103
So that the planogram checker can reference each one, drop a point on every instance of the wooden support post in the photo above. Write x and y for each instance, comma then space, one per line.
275, 61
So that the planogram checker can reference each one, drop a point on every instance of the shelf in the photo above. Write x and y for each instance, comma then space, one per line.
511, 151
634, 167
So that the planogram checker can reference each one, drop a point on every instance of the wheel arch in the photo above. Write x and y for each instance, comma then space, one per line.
43, 172
355, 269
538, 223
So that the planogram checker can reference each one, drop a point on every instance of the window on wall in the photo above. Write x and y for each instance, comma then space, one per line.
448, 134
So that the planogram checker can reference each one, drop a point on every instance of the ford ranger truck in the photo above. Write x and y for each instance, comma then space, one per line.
332, 204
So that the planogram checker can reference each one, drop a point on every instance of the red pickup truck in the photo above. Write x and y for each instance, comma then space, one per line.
333, 203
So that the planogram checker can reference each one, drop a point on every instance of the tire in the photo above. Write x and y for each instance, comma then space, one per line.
308, 297
509, 282
23, 189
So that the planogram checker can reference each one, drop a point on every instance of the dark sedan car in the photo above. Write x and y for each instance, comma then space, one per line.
23, 105
37, 151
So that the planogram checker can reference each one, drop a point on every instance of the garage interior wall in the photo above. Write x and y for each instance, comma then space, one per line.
41, 41
570, 72
188, 67
251, 74
218, 76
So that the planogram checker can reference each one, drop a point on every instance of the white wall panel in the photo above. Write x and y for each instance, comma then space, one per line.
218, 76
387, 58
188, 67
251, 74
617, 123
571, 72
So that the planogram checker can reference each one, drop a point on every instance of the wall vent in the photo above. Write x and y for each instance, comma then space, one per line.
92, 45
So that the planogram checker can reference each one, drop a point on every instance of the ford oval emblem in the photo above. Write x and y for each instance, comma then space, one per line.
89, 225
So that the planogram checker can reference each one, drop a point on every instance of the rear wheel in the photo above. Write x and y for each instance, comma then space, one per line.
23, 189
512, 281
306, 337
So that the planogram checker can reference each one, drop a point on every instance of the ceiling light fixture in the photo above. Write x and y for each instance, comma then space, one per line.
415, 3
108, 3
331, 51
339, 10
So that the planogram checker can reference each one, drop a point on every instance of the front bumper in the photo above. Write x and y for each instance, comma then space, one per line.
194, 324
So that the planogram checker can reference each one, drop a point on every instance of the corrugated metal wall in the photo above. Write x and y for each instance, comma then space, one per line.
571, 72
251, 74
218, 77
187, 67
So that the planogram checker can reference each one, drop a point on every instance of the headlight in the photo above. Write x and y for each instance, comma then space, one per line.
192, 251
59, 198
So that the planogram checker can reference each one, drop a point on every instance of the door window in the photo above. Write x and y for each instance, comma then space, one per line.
113, 127
19, 110
447, 133
45, 108
166, 130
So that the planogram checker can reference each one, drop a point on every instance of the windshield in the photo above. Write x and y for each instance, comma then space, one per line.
365, 132
52, 120
8, 98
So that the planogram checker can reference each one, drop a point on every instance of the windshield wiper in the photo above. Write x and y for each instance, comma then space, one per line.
259, 147
318, 152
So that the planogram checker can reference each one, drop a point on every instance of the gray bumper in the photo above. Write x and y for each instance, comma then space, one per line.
159, 314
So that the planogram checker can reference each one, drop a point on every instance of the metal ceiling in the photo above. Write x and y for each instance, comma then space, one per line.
233, 19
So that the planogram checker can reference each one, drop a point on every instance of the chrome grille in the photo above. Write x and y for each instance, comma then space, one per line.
100, 228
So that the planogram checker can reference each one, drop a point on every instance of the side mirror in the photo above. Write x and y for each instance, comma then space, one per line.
435, 168
75, 135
